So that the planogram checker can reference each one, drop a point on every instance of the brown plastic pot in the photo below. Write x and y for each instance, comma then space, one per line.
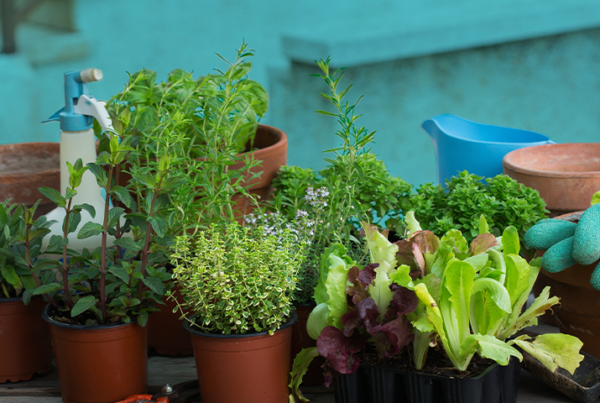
24, 168
577, 313
301, 340
251, 368
165, 330
25, 348
566, 175
99, 364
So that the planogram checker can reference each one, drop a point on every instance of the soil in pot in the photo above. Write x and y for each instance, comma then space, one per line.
25, 348
165, 330
99, 364
394, 381
25, 167
301, 340
252, 368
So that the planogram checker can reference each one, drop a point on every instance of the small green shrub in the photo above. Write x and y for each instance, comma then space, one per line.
238, 280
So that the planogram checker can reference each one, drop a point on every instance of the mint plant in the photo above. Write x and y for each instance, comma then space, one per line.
119, 283
21, 272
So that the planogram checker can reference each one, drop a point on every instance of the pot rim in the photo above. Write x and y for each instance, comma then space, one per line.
307, 305
507, 163
56, 323
186, 325
24, 176
13, 299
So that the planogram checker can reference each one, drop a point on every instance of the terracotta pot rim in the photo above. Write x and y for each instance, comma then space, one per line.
507, 163
15, 177
186, 326
306, 305
53, 322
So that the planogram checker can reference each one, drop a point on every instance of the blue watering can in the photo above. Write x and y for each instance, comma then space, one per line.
461, 144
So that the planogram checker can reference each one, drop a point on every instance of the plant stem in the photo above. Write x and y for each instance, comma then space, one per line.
146, 250
68, 299
104, 241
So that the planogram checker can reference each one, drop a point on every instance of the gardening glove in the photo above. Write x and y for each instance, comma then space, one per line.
586, 246
548, 232
559, 257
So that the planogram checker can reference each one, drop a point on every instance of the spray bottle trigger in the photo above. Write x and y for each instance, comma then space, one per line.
55, 116
90, 106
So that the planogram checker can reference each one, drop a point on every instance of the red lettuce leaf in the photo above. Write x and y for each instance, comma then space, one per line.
397, 332
339, 349
482, 244
404, 300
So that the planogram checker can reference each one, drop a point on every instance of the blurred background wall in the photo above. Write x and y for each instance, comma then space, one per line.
531, 65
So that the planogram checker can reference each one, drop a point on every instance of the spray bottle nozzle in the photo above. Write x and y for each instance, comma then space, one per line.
80, 107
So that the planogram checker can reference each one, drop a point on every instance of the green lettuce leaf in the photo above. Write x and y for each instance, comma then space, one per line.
457, 286
317, 320
489, 347
553, 350
337, 249
301, 363
337, 279
380, 248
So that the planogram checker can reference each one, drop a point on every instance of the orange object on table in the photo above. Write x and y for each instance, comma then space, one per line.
144, 399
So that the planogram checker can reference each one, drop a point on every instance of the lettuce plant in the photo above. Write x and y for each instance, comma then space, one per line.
466, 297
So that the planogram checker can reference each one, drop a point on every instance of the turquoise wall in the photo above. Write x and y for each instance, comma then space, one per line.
547, 84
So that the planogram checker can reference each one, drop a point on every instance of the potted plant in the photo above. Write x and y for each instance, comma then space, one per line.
355, 186
24, 337
569, 264
238, 282
100, 304
465, 300
502, 200
225, 158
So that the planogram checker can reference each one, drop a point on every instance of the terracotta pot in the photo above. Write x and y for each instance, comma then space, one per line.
25, 348
577, 313
24, 168
99, 364
272, 151
165, 330
252, 368
300, 340
566, 175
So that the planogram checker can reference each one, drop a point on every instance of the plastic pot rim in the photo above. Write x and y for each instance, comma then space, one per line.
56, 323
186, 325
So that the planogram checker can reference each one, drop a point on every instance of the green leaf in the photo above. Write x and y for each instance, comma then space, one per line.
301, 363
89, 229
457, 286
517, 276
510, 241
123, 195
129, 244
483, 225
554, 350
99, 173
478, 261
411, 221
113, 216
27, 295
495, 290
402, 277
54, 195
142, 319
595, 198
82, 305
87, 207
120, 272
8, 272
317, 320
336, 289
159, 225
337, 249
529, 318
154, 284
74, 220
46, 288
489, 347
380, 248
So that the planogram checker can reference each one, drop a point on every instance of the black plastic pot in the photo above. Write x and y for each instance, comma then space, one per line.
370, 384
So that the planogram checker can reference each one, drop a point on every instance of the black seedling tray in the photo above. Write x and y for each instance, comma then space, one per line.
371, 384
583, 386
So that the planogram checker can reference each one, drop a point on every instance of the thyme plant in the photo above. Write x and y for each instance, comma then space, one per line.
237, 279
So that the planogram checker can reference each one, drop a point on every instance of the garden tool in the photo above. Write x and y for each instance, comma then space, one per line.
77, 141
478, 148
144, 399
